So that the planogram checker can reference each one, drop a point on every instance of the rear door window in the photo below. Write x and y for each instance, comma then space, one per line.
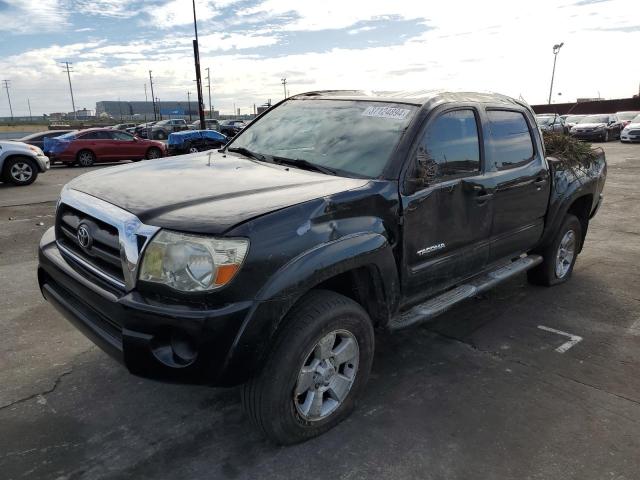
511, 144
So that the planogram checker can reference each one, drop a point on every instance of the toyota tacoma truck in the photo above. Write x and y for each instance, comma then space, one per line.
334, 215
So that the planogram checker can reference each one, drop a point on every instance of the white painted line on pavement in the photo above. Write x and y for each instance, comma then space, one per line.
634, 329
567, 345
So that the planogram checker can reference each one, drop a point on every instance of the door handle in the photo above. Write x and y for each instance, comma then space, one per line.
540, 182
483, 196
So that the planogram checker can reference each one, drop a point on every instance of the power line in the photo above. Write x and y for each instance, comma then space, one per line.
6, 87
73, 103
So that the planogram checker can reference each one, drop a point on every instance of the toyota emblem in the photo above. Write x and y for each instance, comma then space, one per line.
84, 237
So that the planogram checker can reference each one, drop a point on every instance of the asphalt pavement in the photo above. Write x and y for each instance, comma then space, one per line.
523, 382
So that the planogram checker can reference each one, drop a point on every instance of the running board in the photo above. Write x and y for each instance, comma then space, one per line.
440, 304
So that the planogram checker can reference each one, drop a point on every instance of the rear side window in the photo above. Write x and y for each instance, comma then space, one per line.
97, 135
450, 145
511, 144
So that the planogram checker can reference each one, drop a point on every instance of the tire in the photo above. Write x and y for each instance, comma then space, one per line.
20, 171
549, 272
269, 399
160, 135
605, 137
153, 152
193, 150
86, 158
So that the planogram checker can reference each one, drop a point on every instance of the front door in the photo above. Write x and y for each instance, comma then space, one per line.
447, 214
125, 146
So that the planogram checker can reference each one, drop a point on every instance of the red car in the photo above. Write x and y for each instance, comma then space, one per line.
86, 147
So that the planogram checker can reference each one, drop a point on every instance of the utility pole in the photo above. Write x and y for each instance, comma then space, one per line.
6, 87
73, 103
153, 98
556, 49
146, 101
196, 56
189, 106
209, 84
284, 86
29, 104
159, 109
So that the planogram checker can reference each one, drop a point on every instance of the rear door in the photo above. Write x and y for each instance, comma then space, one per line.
447, 213
520, 178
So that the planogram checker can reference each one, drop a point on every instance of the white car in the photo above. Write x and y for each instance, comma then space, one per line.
631, 133
21, 163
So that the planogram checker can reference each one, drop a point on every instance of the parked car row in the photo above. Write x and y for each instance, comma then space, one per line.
598, 127
86, 147
193, 141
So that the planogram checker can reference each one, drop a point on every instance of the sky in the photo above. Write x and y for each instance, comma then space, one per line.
249, 45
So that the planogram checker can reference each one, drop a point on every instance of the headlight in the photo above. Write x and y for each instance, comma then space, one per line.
600, 127
192, 263
36, 150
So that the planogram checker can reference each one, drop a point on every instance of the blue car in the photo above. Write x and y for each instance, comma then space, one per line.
192, 141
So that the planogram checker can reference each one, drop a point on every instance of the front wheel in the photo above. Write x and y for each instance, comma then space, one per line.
319, 365
560, 256
160, 135
21, 171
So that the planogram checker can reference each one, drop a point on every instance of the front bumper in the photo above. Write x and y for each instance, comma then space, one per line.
43, 163
628, 137
165, 341
591, 135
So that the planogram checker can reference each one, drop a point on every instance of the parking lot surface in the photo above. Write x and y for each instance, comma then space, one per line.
523, 382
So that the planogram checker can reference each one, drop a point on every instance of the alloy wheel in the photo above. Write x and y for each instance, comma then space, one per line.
566, 253
21, 172
327, 375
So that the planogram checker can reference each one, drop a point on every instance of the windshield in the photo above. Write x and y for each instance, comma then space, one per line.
544, 120
594, 119
636, 119
573, 118
627, 115
356, 137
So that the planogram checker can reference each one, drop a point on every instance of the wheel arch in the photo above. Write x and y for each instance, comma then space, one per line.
360, 266
581, 208
4, 161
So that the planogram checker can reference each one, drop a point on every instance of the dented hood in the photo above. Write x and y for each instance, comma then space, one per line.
191, 193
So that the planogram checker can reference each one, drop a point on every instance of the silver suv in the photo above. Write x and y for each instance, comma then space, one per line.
20, 163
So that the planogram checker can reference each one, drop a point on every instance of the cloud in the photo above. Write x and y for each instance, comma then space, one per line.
42, 15
105, 8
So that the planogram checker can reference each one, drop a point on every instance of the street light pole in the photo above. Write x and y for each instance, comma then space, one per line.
556, 49
196, 56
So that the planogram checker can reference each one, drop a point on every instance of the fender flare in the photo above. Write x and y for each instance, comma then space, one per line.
297, 277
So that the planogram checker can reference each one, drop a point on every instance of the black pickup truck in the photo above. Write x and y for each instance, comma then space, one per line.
334, 215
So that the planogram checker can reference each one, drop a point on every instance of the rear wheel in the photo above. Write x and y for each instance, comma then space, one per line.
318, 367
20, 171
154, 152
605, 137
160, 135
193, 150
86, 158
560, 256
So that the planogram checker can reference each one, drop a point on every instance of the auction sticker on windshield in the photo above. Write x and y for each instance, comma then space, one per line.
386, 112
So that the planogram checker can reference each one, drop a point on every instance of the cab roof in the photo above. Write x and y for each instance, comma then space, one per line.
416, 97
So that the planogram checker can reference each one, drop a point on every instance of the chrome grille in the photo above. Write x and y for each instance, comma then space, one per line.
104, 252
114, 238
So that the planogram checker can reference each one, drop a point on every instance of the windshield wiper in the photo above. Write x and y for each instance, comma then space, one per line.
304, 164
247, 153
